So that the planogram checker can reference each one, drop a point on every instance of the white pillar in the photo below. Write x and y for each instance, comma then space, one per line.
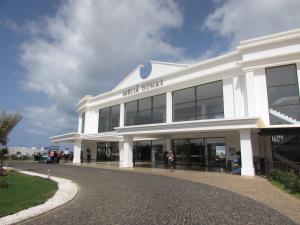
128, 151
153, 155
250, 92
246, 153
122, 115
121, 153
77, 151
169, 107
79, 123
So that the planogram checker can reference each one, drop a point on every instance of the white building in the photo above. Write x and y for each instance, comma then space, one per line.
204, 112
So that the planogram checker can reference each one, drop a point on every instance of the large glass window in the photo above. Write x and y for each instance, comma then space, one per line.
199, 102
146, 110
283, 94
109, 118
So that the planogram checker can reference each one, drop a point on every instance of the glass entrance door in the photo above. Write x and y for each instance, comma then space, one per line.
216, 154
142, 151
200, 152
197, 153
181, 149
107, 151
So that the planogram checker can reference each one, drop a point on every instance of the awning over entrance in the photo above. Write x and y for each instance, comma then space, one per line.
72, 137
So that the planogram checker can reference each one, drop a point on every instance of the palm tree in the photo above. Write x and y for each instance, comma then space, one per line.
7, 123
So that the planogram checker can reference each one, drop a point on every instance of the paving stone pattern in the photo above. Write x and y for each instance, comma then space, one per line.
120, 197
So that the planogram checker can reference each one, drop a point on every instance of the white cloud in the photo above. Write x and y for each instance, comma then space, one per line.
239, 20
86, 48
49, 120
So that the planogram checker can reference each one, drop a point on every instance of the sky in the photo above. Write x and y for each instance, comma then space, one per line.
54, 52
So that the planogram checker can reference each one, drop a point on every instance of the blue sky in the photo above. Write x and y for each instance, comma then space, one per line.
52, 53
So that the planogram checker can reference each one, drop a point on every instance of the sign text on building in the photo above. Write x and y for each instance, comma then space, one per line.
143, 87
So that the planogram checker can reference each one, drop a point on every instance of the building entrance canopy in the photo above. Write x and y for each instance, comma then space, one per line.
191, 126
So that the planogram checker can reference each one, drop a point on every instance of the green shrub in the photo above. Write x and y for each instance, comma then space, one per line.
289, 179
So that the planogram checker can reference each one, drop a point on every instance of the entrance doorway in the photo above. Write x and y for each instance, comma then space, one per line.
200, 152
150, 153
107, 151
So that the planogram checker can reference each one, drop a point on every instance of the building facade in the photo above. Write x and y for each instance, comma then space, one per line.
204, 112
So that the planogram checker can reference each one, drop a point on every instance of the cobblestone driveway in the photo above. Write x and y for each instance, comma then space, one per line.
120, 197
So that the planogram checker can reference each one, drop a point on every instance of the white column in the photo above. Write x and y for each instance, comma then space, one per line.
169, 107
250, 92
239, 90
128, 151
121, 153
79, 123
153, 155
246, 153
122, 115
77, 151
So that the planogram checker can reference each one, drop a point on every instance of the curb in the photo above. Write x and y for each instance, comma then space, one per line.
67, 190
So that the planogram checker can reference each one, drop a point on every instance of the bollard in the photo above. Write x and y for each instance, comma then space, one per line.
49, 173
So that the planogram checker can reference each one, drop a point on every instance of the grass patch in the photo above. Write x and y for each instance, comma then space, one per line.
23, 192
283, 188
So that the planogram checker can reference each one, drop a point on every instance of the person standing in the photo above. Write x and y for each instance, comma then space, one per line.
171, 160
66, 154
52, 155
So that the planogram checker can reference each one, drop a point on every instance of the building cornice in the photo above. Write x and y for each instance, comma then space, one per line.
192, 126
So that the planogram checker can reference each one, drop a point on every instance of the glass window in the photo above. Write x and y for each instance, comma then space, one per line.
283, 94
115, 116
107, 151
144, 117
216, 151
109, 118
131, 106
145, 104
184, 95
281, 75
210, 108
146, 110
184, 111
208, 103
104, 119
210, 90
159, 115
115, 110
131, 118
159, 101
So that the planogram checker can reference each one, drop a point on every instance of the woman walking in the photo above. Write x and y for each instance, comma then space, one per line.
171, 160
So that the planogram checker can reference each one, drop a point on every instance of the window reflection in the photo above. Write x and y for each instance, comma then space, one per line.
199, 102
283, 94
109, 118
146, 111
